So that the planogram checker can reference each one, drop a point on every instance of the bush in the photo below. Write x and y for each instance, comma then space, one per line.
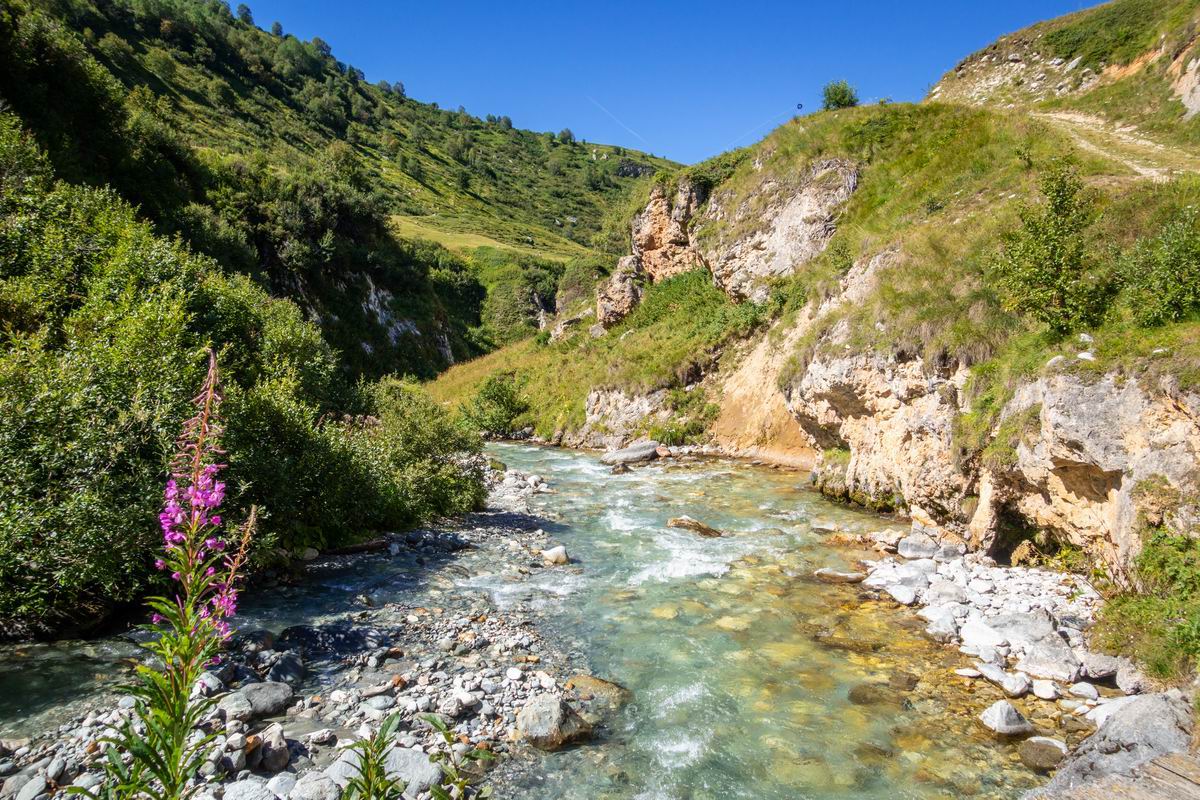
1162, 274
1045, 267
496, 405
838, 94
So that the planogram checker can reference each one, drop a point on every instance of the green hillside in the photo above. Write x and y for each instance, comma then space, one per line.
280, 161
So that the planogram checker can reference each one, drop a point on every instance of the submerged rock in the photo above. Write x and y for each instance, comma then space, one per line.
1042, 753
694, 525
829, 575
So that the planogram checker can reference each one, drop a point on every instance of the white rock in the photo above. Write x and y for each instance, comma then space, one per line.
1085, 690
1046, 690
1003, 718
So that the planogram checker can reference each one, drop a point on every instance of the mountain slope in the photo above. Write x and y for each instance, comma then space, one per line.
270, 155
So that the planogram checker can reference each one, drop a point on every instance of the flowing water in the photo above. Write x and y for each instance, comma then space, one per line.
742, 667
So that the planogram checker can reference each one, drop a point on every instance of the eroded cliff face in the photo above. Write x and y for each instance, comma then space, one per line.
1095, 462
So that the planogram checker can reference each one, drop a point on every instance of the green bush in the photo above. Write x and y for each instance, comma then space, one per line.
838, 94
1162, 274
1045, 266
496, 405
105, 330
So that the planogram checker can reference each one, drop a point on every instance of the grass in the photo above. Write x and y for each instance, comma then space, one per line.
1113, 33
679, 327
465, 242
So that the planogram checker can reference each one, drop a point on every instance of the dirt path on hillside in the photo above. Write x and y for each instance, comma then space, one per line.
1146, 158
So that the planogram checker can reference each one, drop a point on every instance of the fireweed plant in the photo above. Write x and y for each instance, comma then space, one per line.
166, 736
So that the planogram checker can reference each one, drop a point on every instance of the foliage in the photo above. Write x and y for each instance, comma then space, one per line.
1161, 274
692, 414
1045, 266
371, 780
838, 94
1160, 623
103, 331
458, 779
189, 628
496, 405
1112, 33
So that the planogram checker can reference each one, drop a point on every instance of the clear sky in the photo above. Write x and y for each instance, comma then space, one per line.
686, 80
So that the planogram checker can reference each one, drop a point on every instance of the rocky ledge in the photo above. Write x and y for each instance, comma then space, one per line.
288, 705
1081, 714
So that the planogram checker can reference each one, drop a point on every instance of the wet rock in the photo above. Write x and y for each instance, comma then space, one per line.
1003, 718
288, 669
555, 555
633, 454
548, 723
694, 525
589, 686
872, 694
1041, 753
340, 639
1135, 731
829, 575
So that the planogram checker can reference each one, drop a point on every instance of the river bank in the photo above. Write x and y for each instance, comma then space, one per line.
749, 674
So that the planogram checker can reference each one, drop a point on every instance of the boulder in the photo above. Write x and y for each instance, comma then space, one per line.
1003, 718
1041, 753
288, 669
976, 633
274, 747
1134, 731
589, 686
633, 454
282, 784
904, 595
1085, 690
1098, 666
235, 706
249, 789
943, 626
413, 767
918, 545
1045, 690
548, 723
694, 525
267, 699
555, 555
36, 786
1016, 684
314, 786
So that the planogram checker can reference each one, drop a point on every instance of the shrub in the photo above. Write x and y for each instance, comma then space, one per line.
838, 94
1162, 274
496, 405
1045, 267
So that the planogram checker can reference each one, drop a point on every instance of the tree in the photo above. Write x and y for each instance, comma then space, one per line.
276, 28
322, 46
566, 137
1044, 266
839, 94
243, 13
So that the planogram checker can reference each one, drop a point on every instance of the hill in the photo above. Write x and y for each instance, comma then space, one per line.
280, 161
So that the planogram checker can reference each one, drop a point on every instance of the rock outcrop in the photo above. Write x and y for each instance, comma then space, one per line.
778, 228
613, 418
661, 231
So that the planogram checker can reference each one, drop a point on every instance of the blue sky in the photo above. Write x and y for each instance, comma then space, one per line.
686, 80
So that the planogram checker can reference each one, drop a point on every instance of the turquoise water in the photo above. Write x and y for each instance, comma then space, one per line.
740, 665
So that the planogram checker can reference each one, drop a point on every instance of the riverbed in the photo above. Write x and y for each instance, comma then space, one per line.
749, 678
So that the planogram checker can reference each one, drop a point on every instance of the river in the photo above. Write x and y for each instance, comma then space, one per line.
749, 678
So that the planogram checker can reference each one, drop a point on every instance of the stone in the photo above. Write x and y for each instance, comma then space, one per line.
1085, 690
633, 454
267, 699
904, 595
236, 706
314, 786
309, 554
1041, 753
274, 748
967, 672
619, 295
555, 555
1098, 666
514, 674
36, 786
548, 723
1130, 679
1051, 662
1003, 718
413, 767
976, 633
248, 789
872, 694
282, 784
589, 686
694, 525
208, 685
1045, 690
943, 626
917, 545
55, 769
1016, 684
288, 669
1136, 730
829, 575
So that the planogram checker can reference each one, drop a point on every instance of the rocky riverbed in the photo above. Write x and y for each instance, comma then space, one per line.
772, 643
